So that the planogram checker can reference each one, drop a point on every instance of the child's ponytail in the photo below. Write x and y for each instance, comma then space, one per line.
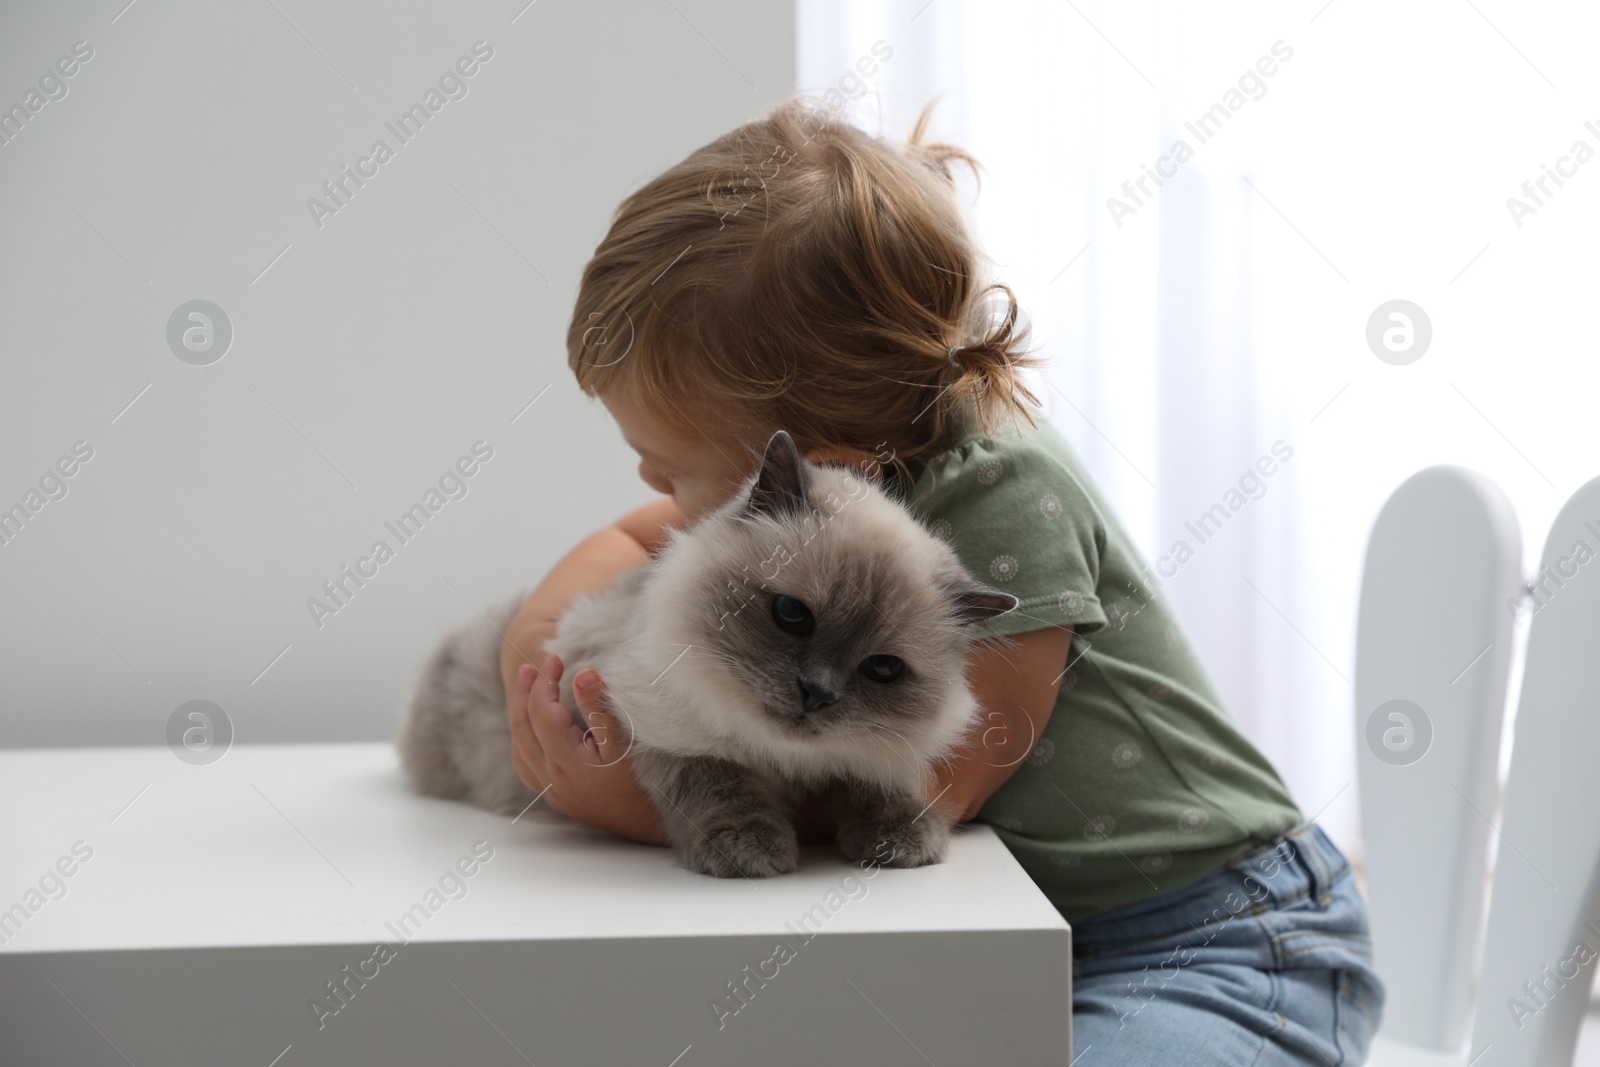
989, 365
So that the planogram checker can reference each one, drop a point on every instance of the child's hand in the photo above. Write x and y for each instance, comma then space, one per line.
584, 775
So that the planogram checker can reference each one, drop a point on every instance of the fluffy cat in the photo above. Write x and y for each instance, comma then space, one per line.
808, 635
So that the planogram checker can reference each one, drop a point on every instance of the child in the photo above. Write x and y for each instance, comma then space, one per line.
798, 273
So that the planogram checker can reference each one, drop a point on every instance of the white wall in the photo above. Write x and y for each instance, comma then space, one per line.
417, 320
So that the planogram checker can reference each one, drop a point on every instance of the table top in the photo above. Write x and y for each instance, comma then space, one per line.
277, 845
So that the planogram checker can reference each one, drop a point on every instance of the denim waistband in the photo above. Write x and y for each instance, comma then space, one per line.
1301, 864
1311, 863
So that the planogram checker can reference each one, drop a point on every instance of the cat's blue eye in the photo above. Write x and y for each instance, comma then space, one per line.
792, 616
883, 668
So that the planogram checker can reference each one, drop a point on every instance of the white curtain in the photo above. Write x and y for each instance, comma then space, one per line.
1228, 309
1147, 317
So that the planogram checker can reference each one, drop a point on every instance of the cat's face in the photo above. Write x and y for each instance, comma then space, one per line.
834, 619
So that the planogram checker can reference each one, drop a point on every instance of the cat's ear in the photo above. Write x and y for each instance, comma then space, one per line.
780, 488
978, 603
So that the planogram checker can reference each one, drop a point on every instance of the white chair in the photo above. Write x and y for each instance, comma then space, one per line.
1541, 937
1440, 572
1433, 649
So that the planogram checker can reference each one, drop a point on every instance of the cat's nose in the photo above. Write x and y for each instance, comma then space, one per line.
814, 695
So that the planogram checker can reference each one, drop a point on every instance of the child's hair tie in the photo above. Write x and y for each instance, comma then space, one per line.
951, 356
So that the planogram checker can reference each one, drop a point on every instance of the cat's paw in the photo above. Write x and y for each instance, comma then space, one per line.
914, 842
750, 847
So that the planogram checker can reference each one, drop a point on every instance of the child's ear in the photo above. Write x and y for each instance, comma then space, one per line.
979, 603
780, 486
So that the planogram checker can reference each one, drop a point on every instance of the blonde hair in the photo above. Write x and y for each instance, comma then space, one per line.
802, 274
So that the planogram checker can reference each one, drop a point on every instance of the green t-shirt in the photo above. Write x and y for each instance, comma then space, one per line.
1140, 784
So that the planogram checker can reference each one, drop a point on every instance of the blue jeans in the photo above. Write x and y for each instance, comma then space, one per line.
1266, 961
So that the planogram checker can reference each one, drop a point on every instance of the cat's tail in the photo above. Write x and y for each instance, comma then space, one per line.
454, 740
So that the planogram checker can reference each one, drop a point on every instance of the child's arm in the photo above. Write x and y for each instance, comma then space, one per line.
611, 799
593, 566
1016, 681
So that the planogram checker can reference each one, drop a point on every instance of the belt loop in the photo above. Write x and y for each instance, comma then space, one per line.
1309, 845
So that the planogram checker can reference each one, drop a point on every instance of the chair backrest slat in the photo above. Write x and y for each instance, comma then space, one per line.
1433, 649
1543, 934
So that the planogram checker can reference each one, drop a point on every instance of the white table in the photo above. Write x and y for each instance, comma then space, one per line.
219, 900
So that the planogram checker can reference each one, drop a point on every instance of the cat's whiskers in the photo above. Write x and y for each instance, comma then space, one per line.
700, 652
722, 659
911, 764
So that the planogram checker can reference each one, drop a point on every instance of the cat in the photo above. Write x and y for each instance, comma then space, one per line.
810, 634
